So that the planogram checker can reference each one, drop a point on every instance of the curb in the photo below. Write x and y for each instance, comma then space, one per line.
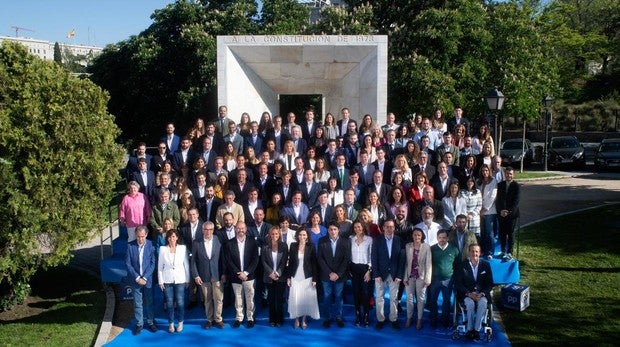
106, 323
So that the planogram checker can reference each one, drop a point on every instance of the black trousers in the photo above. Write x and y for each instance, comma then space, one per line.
361, 289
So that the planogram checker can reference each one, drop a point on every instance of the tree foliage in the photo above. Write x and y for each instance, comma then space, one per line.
58, 161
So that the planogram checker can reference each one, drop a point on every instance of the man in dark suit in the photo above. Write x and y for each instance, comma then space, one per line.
365, 168
184, 156
343, 122
250, 205
242, 165
157, 161
190, 232
331, 153
341, 172
300, 144
209, 211
309, 189
388, 262
334, 256
458, 119
199, 192
207, 271
259, 229
441, 181
278, 134
358, 187
383, 165
255, 139
285, 188
241, 262
309, 125
171, 139
241, 187
424, 165
473, 281
132, 163
144, 177
217, 140
207, 153
507, 205
378, 186
325, 210
264, 182
297, 211
428, 200
140, 264
234, 138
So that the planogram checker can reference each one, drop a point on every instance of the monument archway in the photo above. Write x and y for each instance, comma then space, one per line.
347, 70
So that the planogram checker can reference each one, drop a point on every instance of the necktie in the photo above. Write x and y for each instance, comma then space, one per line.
341, 178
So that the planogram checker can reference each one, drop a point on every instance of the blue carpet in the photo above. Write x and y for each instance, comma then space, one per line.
264, 335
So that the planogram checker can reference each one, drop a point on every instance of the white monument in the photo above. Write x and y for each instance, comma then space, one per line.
347, 70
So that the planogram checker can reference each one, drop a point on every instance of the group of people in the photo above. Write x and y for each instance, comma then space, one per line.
312, 204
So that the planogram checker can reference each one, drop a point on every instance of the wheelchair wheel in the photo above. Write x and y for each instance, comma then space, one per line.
456, 335
489, 336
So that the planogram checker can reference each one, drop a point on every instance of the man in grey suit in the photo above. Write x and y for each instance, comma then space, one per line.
207, 271
140, 263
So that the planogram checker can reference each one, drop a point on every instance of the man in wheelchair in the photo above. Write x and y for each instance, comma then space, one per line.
473, 283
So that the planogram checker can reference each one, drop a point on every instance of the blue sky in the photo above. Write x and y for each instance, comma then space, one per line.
96, 22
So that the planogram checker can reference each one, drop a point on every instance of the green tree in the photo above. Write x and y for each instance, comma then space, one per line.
283, 17
57, 54
59, 164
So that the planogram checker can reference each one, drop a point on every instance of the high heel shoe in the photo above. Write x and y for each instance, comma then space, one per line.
296, 325
171, 328
303, 325
180, 327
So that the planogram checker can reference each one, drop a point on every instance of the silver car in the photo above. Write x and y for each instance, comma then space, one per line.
512, 152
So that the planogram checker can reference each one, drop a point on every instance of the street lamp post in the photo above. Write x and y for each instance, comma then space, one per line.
547, 101
495, 102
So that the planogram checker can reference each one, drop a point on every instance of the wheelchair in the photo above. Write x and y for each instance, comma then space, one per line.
460, 320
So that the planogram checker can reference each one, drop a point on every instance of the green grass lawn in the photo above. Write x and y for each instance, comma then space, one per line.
533, 174
65, 309
572, 265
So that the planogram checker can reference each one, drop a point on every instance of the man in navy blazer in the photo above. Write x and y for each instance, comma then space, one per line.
254, 139
207, 270
507, 205
241, 270
140, 264
132, 163
144, 177
171, 139
190, 232
388, 267
297, 211
473, 281
309, 189
334, 256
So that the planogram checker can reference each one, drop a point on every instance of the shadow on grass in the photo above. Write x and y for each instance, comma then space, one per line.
61, 282
84, 307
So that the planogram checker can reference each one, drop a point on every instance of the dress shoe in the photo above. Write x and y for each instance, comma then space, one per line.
272, 324
470, 334
380, 325
326, 323
358, 318
408, 323
137, 330
170, 328
236, 324
191, 305
395, 325
340, 323
219, 325
208, 325
153, 328
250, 324
180, 327
476, 335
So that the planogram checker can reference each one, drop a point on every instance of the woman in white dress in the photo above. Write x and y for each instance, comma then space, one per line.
302, 263
173, 276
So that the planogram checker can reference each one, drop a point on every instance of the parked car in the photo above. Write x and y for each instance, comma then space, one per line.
607, 155
566, 151
512, 151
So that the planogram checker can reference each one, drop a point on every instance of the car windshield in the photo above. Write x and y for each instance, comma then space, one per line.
610, 147
565, 142
513, 145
